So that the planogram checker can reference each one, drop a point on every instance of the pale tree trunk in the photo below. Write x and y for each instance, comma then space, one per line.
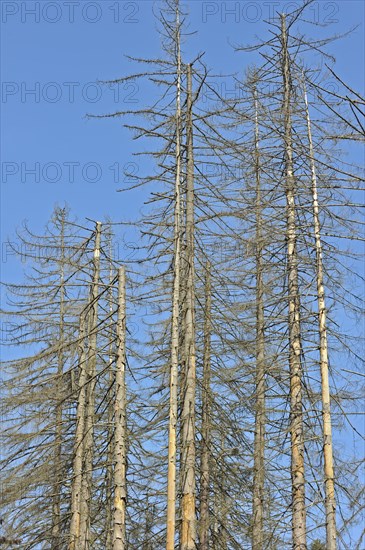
216, 506
222, 500
56, 505
296, 405
259, 441
111, 381
120, 447
188, 525
330, 501
86, 488
206, 411
173, 406
79, 441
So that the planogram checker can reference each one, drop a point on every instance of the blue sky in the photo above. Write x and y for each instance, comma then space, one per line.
60, 50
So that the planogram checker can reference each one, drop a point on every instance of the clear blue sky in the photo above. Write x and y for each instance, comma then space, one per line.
60, 49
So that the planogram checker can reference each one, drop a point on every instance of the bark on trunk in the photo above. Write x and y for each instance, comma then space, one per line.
259, 441
120, 447
206, 428
86, 488
188, 526
56, 505
110, 430
330, 501
296, 405
173, 406
79, 441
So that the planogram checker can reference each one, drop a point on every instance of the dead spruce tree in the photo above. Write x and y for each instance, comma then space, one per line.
295, 347
88, 436
289, 123
120, 436
205, 461
38, 387
101, 442
83, 447
57, 401
188, 419
182, 346
173, 406
260, 382
330, 502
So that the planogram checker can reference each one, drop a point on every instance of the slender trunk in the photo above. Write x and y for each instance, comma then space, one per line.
224, 512
216, 512
296, 405
120, 451
330, 501
79, 441
259, 442
56, 505
222, 500
110, 437
188, 526
86, 488
218, 491
173, 408
206, 428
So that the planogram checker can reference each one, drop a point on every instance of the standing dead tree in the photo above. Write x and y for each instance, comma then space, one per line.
296, 405
83, 446
88, 444
120, 436
45, 309
188, 419
205, 461
260, 382
330, 502
173, 407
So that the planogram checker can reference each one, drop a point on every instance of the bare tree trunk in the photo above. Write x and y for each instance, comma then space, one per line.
206, 429
222, 500
86, 488
330, 501
173, 406
296, 405
259, 441
79, 441
56, 505
110, 429
120, 451
188, 526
